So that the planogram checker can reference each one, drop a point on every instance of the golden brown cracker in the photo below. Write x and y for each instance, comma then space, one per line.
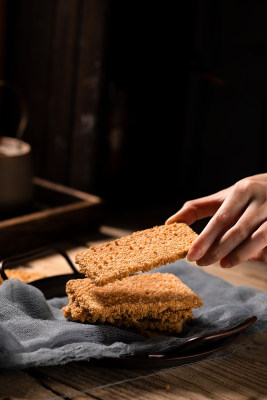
149, 301
141, 251
23, 275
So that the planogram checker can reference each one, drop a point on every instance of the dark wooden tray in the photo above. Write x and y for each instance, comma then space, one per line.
57, 212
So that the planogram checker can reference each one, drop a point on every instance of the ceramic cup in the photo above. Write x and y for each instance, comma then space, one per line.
16, 188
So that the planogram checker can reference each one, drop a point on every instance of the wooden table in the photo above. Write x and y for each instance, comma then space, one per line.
239, 373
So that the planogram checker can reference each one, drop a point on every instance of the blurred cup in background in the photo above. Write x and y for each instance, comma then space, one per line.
16, 188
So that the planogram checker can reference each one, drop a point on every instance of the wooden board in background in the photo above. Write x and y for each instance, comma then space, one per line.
71, 212
2, 35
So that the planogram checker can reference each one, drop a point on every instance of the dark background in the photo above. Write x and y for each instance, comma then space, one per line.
146, 104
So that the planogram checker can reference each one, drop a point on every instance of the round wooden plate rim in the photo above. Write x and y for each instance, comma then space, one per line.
162, 362
229, 335
219, 335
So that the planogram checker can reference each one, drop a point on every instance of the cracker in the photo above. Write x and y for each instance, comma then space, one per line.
146, 325
149, 301
23, 275
141, 251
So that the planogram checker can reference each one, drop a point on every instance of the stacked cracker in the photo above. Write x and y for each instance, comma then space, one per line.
146, 302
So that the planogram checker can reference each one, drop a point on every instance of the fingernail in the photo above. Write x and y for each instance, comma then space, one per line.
225, 263
171, 218
194, 255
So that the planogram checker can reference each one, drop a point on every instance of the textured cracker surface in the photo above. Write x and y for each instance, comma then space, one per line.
150, 301
141, 251
165, 325
22, 275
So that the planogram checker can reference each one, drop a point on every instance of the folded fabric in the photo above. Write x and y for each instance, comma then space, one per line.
34, 332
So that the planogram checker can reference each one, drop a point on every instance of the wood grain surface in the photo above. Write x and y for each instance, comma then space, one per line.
239, 372
57, 211
2, 35
55, 57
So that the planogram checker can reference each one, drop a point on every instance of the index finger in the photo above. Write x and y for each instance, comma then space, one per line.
226, 216
194, 210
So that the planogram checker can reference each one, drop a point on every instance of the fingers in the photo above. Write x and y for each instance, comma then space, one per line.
194, 210
245, 226
226, 216
237, 229
256, 243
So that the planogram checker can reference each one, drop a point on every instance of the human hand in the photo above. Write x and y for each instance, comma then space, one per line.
237, 230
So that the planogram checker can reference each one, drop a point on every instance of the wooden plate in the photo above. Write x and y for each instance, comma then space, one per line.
193, 350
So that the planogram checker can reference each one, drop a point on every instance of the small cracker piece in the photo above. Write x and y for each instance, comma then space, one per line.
24, 275
150, 301
141, 251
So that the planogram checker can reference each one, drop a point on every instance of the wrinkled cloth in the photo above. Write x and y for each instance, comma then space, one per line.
34, 332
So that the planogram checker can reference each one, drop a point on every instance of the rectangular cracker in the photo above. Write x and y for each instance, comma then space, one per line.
141, 251
149, 301
146, 325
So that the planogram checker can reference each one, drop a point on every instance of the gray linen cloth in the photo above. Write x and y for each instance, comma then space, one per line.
34, 332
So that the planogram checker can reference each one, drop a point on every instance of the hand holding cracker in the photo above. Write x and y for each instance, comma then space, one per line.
238, 229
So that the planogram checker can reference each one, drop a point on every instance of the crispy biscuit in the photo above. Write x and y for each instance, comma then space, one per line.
141, 251
149, 301
23, 275
147, 325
